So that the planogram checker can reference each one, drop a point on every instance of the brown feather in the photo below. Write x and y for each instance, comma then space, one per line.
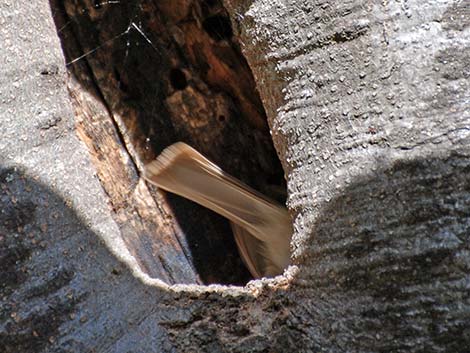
262, 228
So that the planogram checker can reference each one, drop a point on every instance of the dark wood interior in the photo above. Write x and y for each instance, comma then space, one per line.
143, 75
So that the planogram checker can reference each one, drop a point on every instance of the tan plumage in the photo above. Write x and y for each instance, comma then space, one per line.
261, 227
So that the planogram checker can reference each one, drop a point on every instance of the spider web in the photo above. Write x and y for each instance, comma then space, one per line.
134, 25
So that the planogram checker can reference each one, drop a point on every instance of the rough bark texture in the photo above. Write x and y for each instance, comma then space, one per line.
368, 105
61, 290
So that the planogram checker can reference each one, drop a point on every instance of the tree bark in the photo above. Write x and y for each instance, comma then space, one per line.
367, 105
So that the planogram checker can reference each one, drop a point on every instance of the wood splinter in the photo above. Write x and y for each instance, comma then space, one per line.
262, 228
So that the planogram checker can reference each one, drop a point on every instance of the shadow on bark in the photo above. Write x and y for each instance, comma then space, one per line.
388, 264
59, 283
386, 269
391, 253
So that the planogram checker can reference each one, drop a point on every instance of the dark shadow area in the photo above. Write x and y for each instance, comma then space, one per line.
173, 72
24, 233
218, 27
389, 258
387, 262
58, 279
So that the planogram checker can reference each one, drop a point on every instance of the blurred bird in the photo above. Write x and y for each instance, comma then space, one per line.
262, 228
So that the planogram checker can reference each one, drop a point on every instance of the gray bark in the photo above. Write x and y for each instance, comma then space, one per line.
61, 289
368, 104
368, 107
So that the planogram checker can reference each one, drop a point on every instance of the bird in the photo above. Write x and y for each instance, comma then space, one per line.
262, 228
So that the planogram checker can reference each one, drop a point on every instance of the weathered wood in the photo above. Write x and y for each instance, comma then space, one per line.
166, 72
367, 105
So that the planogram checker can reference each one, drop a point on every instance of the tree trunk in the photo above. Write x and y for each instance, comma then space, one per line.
367, 104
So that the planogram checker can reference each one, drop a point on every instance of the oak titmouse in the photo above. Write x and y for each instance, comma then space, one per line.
262, 228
